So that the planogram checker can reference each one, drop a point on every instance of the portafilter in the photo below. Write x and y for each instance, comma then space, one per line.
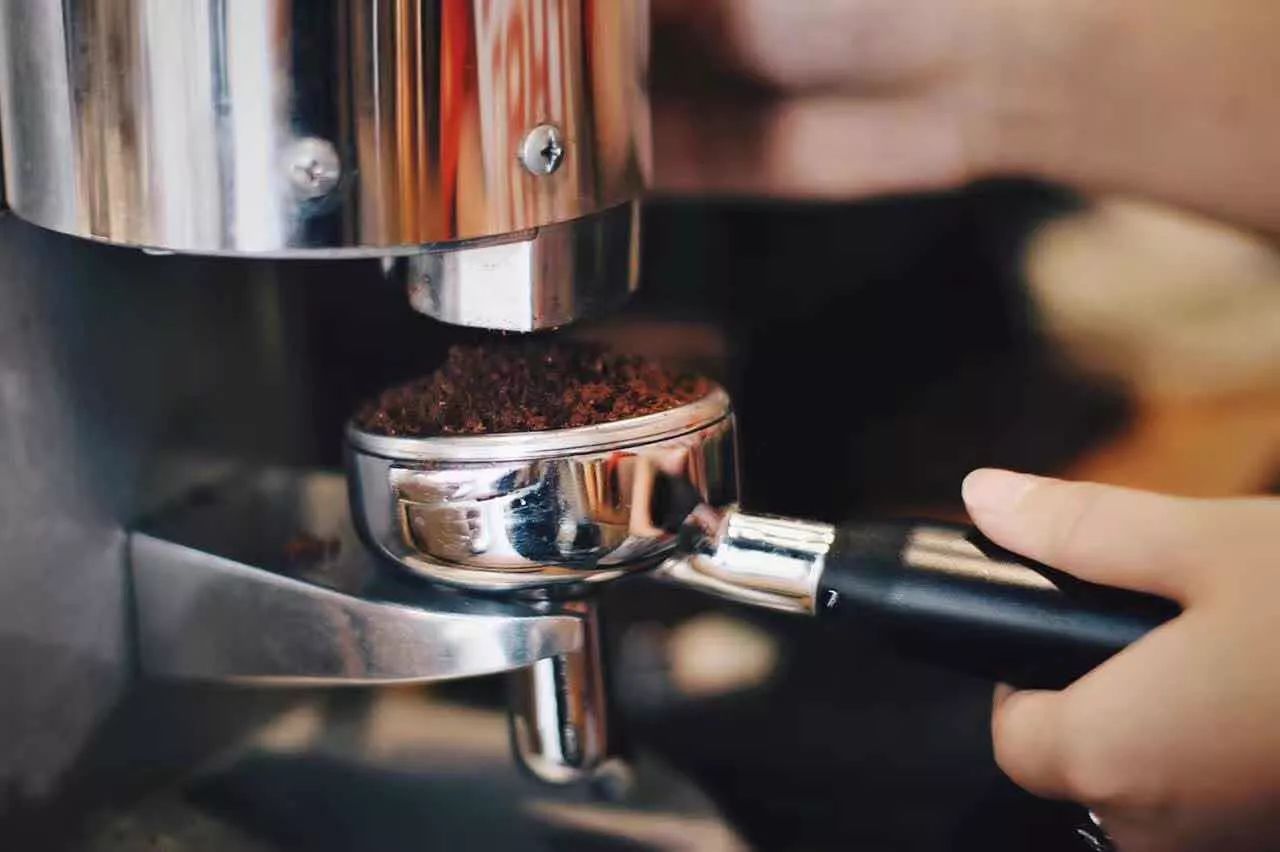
548, 514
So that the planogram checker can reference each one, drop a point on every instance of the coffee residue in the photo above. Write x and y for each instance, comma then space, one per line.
528, 388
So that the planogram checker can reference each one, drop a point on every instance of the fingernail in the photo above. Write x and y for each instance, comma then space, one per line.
991, 490
1001, 693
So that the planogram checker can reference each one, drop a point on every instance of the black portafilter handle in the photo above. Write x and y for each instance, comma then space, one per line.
942, 592
946, 594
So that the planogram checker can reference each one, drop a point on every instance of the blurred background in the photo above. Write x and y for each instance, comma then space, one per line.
876, 352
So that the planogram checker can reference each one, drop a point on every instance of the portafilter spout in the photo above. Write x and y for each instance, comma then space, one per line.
549, 514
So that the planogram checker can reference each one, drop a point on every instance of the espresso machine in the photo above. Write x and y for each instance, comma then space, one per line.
489, 157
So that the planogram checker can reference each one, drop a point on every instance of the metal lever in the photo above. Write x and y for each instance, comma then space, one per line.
218, 599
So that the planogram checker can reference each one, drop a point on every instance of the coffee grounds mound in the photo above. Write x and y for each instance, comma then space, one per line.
528, 388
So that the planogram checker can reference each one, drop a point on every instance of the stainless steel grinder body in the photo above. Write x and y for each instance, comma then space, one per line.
499, 147
489, 152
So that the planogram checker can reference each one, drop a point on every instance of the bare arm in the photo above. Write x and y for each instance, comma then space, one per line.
1175, 100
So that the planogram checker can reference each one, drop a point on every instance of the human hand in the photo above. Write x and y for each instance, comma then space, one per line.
1175, 742
1170, 99
814, 99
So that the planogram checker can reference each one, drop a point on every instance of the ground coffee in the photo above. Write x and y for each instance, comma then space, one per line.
528, 387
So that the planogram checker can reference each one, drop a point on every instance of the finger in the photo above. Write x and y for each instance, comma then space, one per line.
1027, 735
852, 45
999, 694
822, 147
1099, 533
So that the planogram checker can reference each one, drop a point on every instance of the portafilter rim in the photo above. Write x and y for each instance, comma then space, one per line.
548, 443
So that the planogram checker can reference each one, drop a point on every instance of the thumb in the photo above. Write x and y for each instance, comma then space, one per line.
807, 147
1028, 737
1103, 534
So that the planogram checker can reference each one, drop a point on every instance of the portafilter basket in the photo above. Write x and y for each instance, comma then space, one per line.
533, 512
547, 514
543, 515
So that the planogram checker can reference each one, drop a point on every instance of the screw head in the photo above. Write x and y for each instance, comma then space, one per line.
313, 167
542, 150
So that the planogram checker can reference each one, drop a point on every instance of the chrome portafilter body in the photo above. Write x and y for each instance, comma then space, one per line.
537, 512
543, 515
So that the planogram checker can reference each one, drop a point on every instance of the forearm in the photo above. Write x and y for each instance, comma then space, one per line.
1177, 101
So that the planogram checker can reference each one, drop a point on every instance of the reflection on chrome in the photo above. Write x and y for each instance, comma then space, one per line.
756, 560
